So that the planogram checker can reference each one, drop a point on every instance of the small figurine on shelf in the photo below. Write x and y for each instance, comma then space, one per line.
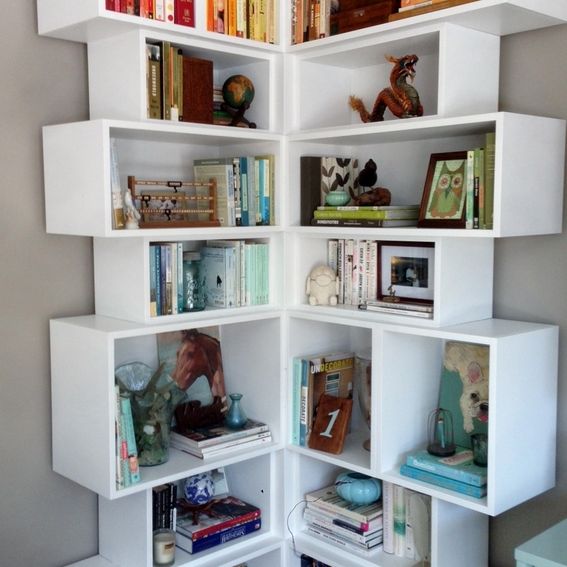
375, 196
238, 94
131, 214
400, 97
322, 286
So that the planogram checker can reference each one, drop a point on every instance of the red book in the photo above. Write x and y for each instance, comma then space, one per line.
111, 5
185, 13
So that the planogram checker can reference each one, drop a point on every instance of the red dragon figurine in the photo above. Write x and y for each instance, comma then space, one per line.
401, 98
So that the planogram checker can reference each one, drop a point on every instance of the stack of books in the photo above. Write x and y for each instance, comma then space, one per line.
333, 519
458, 472
207, 442
223, 520
407, 308
368, 216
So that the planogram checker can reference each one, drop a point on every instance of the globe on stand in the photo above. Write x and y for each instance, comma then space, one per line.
238, 94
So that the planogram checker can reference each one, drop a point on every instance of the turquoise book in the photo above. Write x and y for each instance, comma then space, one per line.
443, 481
459, 466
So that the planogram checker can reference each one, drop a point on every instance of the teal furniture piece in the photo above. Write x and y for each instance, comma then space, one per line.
548, 549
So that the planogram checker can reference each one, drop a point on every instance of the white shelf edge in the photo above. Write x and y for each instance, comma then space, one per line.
402, 233
515, 16
198, 233
94, 561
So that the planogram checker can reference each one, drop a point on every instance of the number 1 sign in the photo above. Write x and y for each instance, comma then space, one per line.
331, 424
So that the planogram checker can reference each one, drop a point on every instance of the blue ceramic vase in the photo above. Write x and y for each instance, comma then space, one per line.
236, 417
358, 489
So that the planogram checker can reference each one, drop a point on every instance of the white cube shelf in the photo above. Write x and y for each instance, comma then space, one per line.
329, 75
462, 268
529, 156
77, 167
86, 350
122, 276
255, 480
118, 65
406, 374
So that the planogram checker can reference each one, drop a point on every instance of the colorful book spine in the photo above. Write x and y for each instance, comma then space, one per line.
185, 13
133, 467
245, 218
399, 518
489, 161
218, 538
443, 482
469, 190
303, 425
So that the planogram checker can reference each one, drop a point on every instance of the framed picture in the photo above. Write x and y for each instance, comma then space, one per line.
406, 271
444, 194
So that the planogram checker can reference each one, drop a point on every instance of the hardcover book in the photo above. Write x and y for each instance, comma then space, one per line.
237, 445
221, 171
459, 466
214, 268
185, 13
443, 482
197, 90
368, 213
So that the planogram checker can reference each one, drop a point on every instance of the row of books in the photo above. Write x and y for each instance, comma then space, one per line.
369, 216
214, 441
457, 472
328, 373
417, 7
236, 273
164, 510
407, 523
223, 520
179, 87
180, 12
233, 273
127, 469
479, 208
251, 19
356, 264
331, 518
245, 188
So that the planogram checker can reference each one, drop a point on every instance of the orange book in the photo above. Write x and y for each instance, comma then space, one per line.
210, 15
230, 17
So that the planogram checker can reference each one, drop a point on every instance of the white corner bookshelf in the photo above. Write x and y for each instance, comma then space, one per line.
301, 109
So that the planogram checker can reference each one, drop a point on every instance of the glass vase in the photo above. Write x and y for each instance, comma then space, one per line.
235, 417
152, 424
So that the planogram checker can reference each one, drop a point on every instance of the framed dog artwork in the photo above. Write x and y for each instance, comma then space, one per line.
464, 389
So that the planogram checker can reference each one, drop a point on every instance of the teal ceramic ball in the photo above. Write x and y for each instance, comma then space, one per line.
358, 489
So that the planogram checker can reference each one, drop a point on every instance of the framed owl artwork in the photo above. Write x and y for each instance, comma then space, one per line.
444, 194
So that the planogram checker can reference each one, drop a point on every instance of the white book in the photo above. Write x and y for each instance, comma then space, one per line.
399, 516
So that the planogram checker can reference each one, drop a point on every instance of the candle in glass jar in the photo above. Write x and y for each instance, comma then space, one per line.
164, 547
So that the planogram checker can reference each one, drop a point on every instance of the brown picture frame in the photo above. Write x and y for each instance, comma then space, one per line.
395, 260
443, 201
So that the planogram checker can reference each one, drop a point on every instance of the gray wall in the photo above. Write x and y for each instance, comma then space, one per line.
46, 520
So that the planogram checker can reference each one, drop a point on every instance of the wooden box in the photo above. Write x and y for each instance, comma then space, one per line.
362, 16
